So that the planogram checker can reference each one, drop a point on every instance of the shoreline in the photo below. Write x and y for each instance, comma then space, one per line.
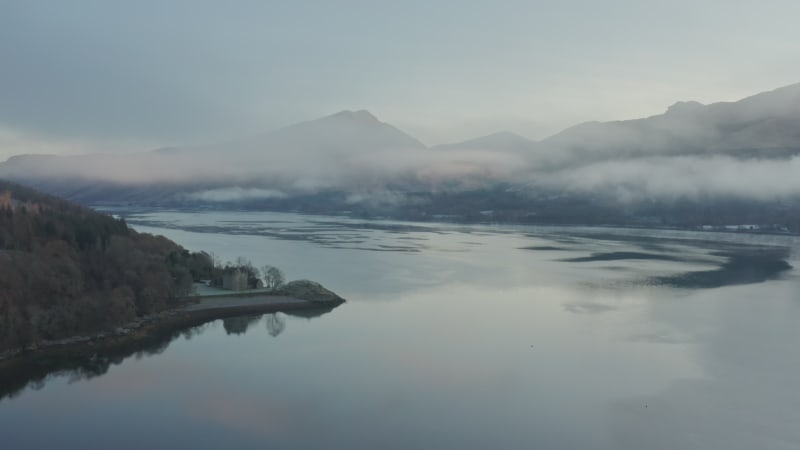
193, 312
125, 211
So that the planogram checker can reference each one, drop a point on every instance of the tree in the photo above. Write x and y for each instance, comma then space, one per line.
275, 324
66, 270
273, 277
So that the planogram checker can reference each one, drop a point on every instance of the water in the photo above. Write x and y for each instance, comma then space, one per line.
454, 337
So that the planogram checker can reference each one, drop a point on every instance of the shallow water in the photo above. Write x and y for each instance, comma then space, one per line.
456, 337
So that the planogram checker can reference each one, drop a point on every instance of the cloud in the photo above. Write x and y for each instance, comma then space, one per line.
681, 177
383, 199
234, 194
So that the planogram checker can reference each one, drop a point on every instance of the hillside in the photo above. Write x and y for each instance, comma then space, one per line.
66, 270
765, 125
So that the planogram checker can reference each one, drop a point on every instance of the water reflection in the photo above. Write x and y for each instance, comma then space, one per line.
504, 348
735, 263
275, 325
621, 256
239, 325
745, 266
338, 234
86, 362
547, 248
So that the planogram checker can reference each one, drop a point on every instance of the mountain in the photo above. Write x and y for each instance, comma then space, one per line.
766, 125
307, 156
354, 150
343, 132
728, 157
502, 140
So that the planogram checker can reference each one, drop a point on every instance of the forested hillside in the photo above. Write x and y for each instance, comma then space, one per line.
66, 270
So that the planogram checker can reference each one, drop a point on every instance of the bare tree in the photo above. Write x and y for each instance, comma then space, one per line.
216, 261
275, 324
273, 277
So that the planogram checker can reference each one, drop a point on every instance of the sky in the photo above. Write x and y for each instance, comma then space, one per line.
100, 76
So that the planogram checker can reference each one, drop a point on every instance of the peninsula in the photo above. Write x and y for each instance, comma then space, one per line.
72, 278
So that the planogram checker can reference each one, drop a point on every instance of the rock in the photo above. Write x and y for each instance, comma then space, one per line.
309, 290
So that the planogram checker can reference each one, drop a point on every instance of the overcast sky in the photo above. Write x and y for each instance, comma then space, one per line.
82, 76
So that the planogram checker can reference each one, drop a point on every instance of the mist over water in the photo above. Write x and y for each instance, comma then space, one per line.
453, 336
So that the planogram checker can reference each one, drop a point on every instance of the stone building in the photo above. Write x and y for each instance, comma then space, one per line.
234, 279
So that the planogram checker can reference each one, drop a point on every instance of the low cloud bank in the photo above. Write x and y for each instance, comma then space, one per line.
680, 177
235, 194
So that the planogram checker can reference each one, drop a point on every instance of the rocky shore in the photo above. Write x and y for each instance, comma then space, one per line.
296, 295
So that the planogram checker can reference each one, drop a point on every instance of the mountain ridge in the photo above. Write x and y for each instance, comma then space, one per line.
351, 160
334, 129
500, 140
759, 103
768, 120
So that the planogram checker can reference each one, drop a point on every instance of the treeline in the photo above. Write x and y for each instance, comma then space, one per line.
66, 270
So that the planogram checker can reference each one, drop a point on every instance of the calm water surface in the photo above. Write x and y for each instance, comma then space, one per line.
455, 337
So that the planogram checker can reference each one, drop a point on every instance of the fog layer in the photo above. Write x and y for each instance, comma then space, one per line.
746, 149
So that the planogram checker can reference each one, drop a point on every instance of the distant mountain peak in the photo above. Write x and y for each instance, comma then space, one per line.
501, 140
346, 130
680, 107
505, 135
362, 115
788, 89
